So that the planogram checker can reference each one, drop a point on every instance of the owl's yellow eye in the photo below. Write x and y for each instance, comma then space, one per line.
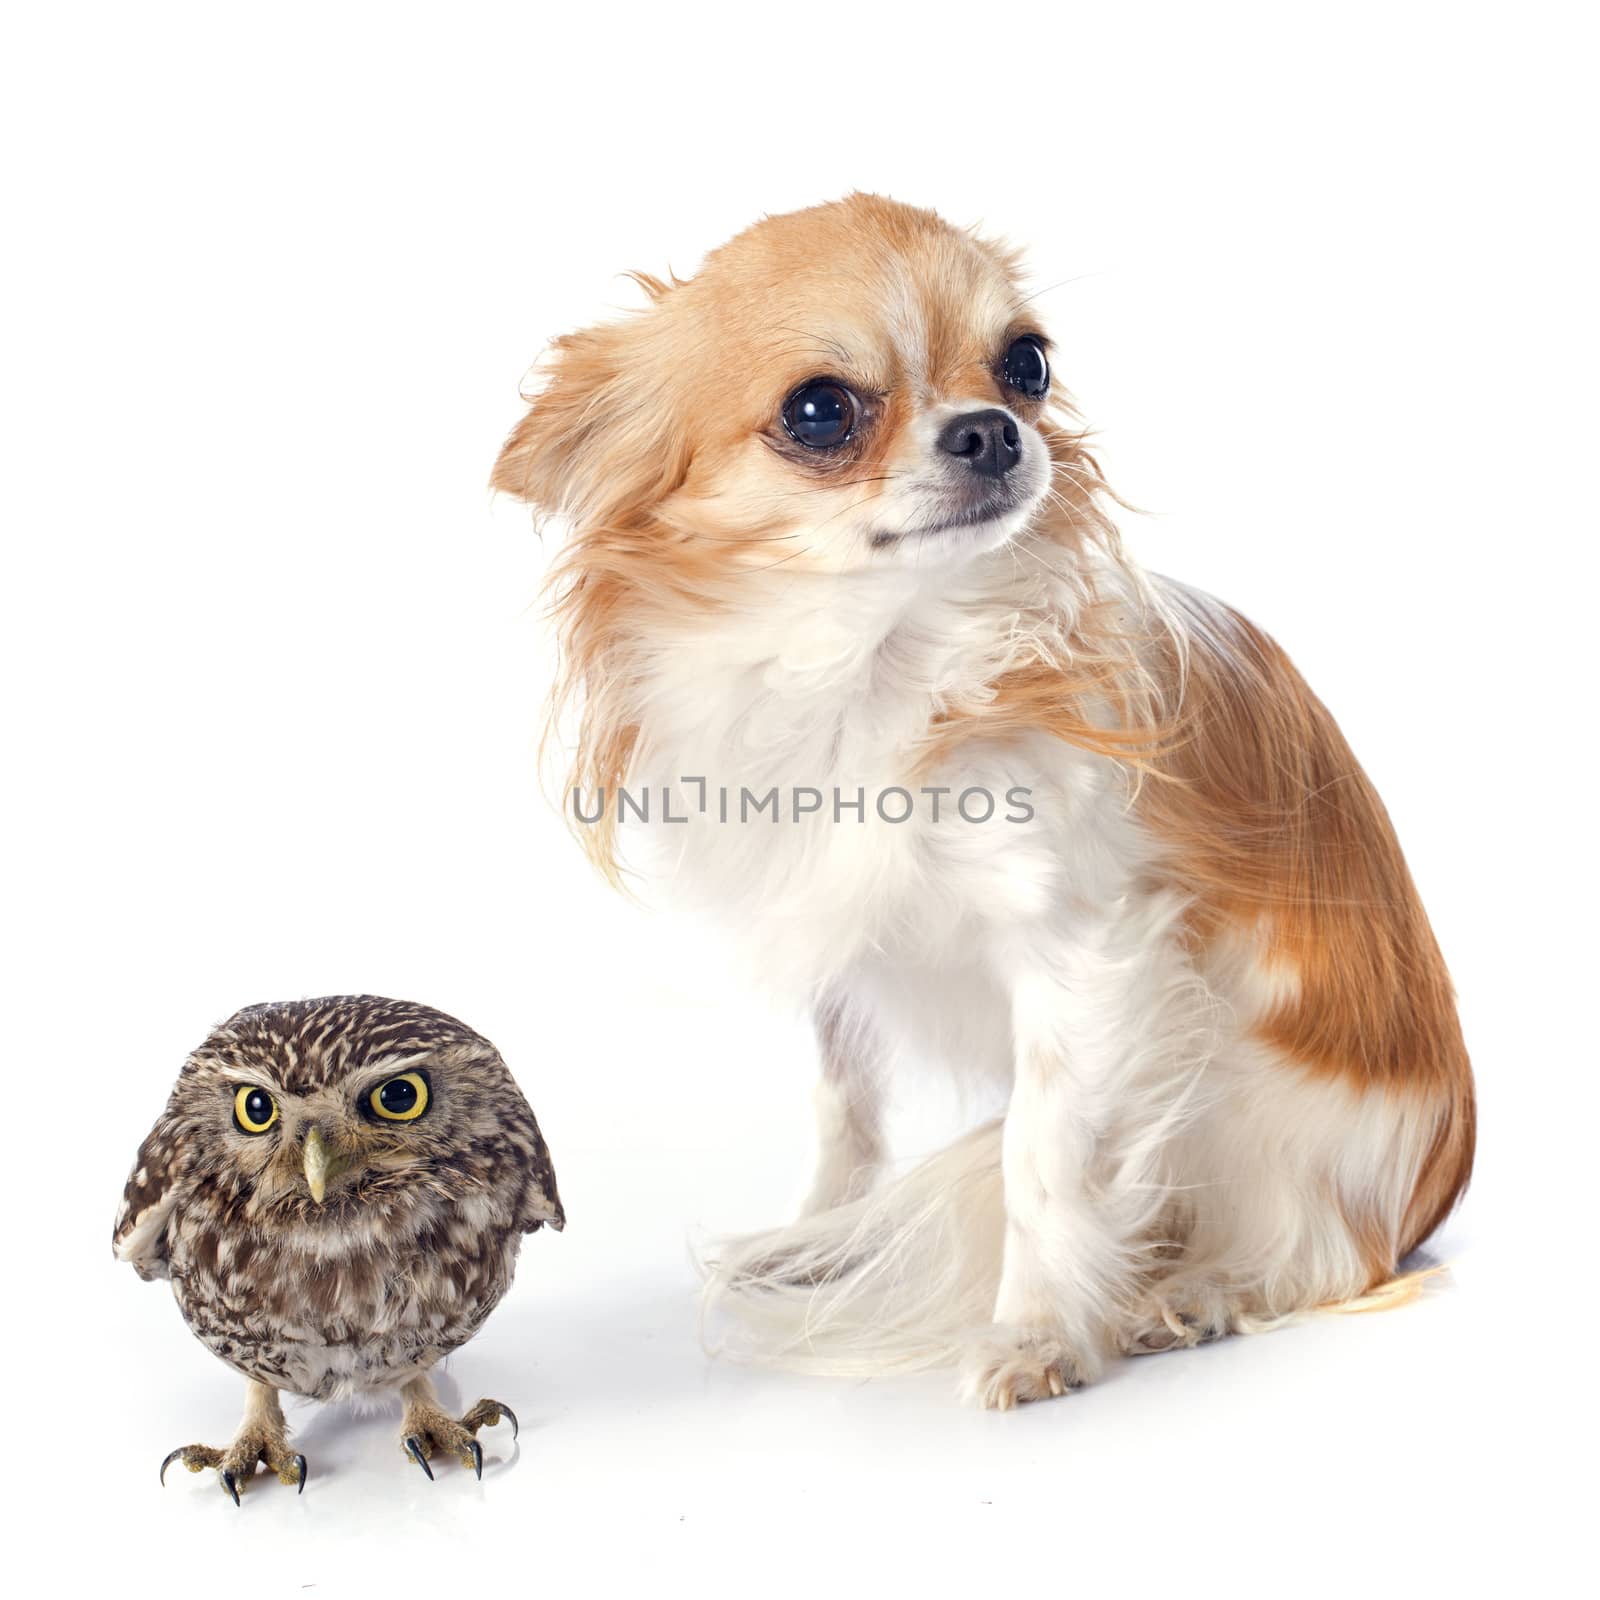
401, 1099
254, 1110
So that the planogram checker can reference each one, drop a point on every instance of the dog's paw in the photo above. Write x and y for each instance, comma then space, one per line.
1009, 1366
1176, 1323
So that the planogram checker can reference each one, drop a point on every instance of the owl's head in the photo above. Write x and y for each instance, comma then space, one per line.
316, 1111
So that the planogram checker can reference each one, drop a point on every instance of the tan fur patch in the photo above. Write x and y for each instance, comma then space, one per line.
1276, 833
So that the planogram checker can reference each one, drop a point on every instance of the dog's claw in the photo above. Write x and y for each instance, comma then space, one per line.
414, 1449
229, 1484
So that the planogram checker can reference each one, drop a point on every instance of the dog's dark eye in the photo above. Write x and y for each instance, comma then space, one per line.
1025, 368
820, 416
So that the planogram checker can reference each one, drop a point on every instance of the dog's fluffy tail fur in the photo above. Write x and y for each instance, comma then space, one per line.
903, 1280
896, 1282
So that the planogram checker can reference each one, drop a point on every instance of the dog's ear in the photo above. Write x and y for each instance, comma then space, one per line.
604, 437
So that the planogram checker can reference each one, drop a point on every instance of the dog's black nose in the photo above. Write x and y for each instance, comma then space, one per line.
987, 441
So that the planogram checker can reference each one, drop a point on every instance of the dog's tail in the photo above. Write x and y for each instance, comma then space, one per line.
1402, 1289
901, 1280
892, 1283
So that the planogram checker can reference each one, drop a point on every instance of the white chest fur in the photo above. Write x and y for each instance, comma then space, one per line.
784, 769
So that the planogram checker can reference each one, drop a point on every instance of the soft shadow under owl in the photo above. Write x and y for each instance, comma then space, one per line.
338, 1436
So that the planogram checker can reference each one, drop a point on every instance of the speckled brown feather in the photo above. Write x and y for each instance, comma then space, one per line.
403, 1260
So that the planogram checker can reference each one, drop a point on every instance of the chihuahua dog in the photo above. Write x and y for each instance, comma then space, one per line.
841, 597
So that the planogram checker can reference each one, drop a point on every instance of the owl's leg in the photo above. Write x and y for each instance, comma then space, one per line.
262, 1436
428, 1426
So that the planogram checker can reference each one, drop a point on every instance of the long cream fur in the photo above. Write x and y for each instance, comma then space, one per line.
1237, 1085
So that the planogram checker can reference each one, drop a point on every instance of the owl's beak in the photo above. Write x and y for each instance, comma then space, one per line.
319, 1165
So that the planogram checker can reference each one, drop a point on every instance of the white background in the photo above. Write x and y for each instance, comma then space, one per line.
1324, 281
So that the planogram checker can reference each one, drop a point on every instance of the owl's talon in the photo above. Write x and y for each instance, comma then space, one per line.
487, 1414
414, 1449
195, 1457
429, 1430
264, 1438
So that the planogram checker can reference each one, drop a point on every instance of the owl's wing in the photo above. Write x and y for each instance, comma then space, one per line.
148, 1202
541, 1201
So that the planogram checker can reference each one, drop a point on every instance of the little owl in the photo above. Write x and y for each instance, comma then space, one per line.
337, 1190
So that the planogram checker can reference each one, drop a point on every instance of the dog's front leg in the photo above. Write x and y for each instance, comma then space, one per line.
848, 1105
1105, 1043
